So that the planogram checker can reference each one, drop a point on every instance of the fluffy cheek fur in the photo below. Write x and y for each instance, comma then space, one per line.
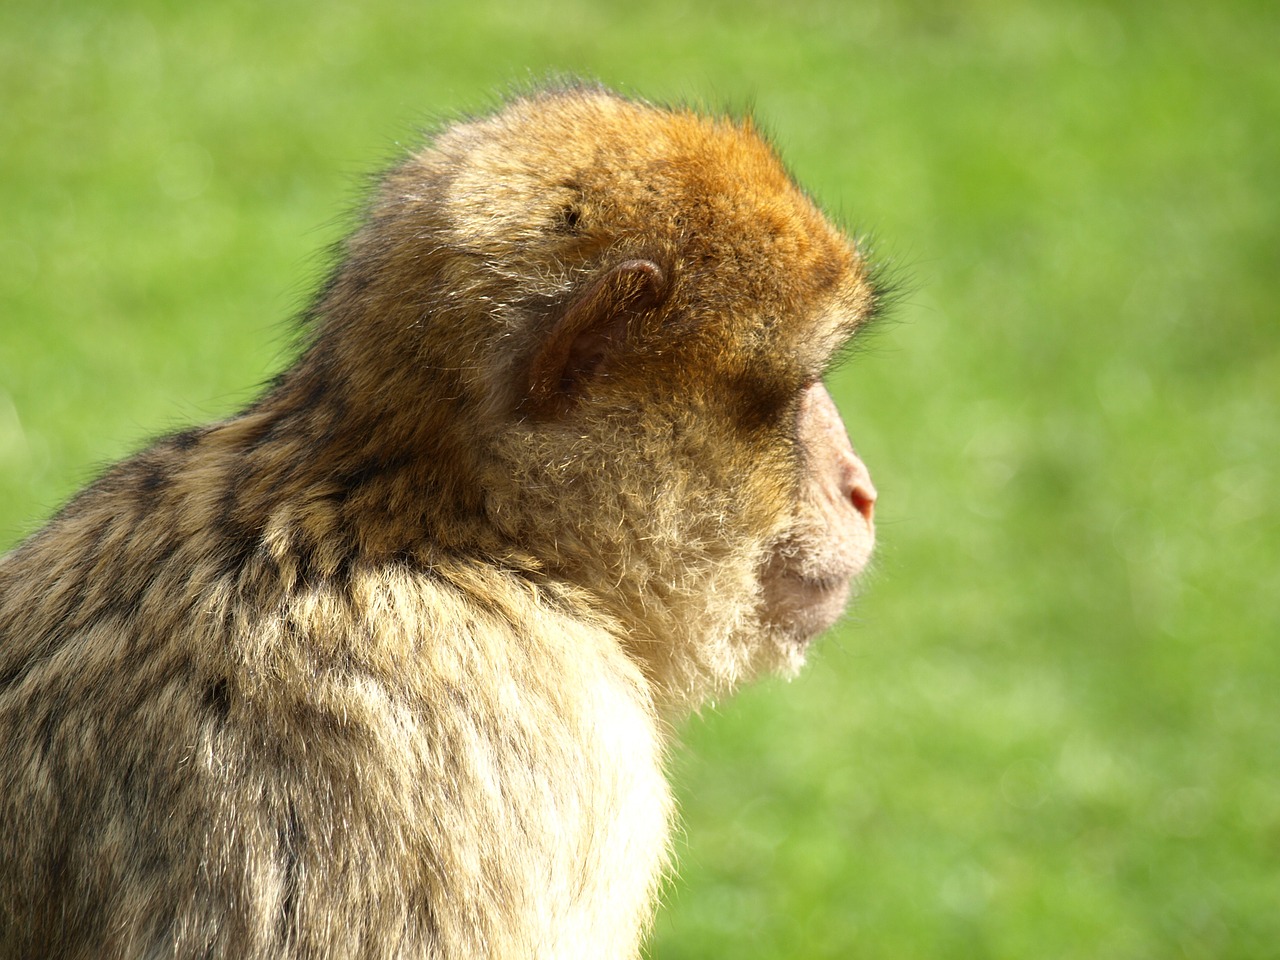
676, 563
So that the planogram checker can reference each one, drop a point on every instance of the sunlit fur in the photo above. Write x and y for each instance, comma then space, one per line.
382, 666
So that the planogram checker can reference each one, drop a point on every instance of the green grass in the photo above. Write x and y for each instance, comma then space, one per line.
1051, 729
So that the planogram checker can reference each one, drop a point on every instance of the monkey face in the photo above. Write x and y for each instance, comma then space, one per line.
806, 580
615, 320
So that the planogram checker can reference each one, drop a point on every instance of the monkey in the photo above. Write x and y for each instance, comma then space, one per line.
387, 664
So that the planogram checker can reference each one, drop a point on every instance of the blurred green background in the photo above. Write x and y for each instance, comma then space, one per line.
1052, 726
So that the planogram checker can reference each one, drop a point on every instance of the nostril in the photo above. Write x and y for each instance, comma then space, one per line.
863, 497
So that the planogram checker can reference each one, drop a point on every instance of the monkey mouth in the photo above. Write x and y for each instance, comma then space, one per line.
821, 584
805, 603
820, 600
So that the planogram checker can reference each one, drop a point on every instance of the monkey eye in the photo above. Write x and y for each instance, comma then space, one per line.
842, 354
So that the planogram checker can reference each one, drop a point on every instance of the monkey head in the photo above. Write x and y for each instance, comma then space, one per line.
614, 321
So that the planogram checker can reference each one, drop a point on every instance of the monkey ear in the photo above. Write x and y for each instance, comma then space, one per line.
591, 332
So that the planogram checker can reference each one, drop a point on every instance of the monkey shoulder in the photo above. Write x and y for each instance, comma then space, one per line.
473, 684
473, 760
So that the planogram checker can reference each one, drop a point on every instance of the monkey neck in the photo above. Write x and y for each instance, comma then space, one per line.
324, 477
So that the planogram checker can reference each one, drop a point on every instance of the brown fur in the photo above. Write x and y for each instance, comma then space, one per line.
376, 668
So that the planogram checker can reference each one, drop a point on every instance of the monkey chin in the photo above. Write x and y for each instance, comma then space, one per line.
823, 602
805, 589
802, 607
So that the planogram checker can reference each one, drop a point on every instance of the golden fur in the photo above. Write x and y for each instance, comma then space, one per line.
381, 666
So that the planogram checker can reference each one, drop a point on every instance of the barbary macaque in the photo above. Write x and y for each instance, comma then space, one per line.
385, 665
